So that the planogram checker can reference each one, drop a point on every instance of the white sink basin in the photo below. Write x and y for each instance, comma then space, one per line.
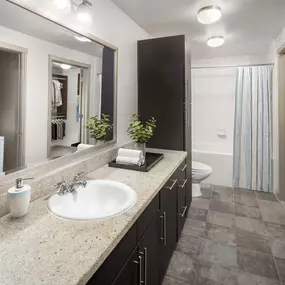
100, 199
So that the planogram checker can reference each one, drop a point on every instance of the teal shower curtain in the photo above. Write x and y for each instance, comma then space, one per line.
252, 167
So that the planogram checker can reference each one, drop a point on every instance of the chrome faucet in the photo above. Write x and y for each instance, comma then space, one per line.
66, 188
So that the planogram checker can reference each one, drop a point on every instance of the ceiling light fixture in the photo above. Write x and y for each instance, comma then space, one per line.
82, 39
65, 66
209, 14
216, 41
62, 4
83, 12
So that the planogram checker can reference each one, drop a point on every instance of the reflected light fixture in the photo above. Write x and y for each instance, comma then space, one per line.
209, 14
65, 66
62, 4
82, 39
215, 41
83, 12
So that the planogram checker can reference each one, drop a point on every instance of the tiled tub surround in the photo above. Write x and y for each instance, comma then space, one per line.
47, 175
42, 249
231, 237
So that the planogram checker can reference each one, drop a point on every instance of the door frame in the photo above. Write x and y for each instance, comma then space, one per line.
22, 99
78, 64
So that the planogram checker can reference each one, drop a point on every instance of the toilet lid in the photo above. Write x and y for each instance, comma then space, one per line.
200, 166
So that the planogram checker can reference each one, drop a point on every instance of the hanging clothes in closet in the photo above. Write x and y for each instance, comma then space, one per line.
56, 96
57, 129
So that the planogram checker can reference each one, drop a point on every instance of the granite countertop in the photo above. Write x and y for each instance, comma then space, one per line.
43, 249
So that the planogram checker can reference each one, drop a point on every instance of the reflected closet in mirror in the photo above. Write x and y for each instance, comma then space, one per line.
53, 80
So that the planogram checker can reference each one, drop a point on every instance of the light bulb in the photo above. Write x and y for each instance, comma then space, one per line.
83, 14
65, 66
82, 39
209, 14
215, 41
62, 4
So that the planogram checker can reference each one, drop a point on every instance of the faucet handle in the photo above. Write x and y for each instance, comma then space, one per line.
63, 188
76, 177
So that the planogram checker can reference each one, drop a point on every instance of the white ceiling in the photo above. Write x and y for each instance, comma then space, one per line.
21, 20
249, 26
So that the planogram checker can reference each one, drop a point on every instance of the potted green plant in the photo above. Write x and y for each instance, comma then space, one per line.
141, 132
99, 128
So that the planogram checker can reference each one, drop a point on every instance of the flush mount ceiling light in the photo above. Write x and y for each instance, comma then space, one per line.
65, 66
62, 4
83, 12
215, 41
82, 39
209, 14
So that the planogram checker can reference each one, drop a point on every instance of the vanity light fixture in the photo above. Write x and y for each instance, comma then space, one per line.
215, 41
82, 39
65, 66
83, 12
209, 14
62, 4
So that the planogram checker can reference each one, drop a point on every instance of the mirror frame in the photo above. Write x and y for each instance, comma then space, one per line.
51, 18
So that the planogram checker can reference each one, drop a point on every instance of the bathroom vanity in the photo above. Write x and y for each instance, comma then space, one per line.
132, 247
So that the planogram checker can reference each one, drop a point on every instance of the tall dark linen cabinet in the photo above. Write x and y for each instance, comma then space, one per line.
164, 92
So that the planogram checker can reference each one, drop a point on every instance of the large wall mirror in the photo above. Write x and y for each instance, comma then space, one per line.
53, 80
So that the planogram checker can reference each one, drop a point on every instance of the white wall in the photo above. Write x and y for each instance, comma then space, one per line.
213, 107
114, 26
213, 101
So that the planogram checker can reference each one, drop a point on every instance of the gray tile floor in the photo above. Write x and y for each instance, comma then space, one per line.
231, 237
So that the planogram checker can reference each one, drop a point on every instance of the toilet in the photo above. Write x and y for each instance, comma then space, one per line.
200, 172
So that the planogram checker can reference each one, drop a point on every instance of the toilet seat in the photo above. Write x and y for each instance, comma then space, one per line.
200, 167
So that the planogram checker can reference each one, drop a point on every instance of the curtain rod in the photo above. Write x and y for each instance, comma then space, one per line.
232, 66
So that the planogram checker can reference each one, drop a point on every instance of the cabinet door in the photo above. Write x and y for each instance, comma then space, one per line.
168, 208
149, 248
131, 272
114, 263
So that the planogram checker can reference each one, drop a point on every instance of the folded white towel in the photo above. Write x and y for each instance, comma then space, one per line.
124, 152
129, 160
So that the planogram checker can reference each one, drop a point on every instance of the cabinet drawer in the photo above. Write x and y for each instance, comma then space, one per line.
116, 260
147, 216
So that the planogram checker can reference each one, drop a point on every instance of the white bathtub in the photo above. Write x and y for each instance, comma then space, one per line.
221, 163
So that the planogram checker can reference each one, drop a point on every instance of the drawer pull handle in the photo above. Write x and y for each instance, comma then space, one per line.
164, 228
183, 169
140, 270
145, 265
173, 184
184, 183
184, 211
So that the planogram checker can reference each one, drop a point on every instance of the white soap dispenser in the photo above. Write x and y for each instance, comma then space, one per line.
19, 198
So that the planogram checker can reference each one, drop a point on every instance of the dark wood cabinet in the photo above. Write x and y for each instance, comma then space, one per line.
143, 255
164, 92
129, 275
149, 251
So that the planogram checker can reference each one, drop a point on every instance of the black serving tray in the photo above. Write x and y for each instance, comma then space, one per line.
151, 160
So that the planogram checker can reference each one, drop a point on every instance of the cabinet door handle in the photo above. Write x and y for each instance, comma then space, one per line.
164, 228
145, 266
173, 184
140, 269
183, 169
183, 185
144, 253
184, 211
